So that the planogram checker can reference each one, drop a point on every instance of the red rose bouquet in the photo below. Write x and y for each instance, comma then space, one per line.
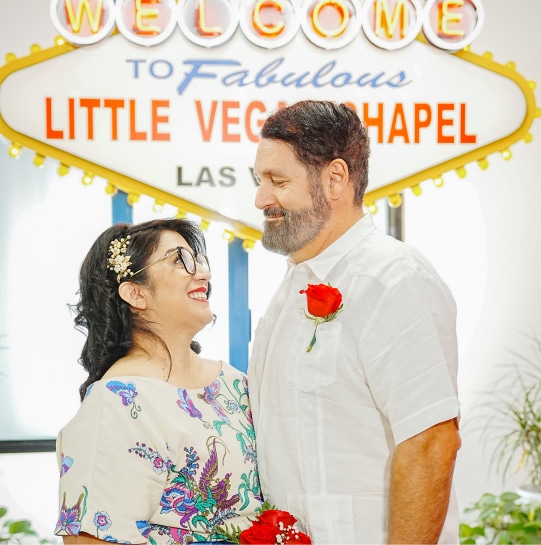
324, 304
271, 527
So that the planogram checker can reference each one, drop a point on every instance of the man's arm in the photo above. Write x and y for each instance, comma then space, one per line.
421, 477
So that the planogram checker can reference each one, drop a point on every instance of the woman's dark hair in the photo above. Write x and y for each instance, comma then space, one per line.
108, 320
319, 131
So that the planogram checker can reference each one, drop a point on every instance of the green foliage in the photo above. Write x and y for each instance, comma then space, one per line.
516, 412
504, 519
524, 414
514, 404
232, 533
17, 531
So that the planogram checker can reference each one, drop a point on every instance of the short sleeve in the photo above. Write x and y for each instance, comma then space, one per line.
113, 465
410, 355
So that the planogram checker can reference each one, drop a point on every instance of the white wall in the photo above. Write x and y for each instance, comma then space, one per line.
482, 233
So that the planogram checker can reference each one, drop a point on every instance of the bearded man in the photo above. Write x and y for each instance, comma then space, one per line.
353, 370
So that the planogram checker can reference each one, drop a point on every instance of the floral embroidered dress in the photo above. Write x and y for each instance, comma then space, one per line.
144, 460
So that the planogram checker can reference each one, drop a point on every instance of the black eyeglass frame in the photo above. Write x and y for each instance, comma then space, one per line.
198, 259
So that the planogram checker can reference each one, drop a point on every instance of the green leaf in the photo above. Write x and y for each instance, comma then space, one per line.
20, 527
200, 519
509, 496
218, 426
530, 538
504, 538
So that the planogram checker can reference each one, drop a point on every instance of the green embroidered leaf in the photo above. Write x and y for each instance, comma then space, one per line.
241, 440
200, 519
218, 426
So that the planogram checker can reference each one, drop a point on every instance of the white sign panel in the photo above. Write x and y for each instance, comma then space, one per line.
186, 119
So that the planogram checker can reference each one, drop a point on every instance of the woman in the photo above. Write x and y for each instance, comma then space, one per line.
162, 449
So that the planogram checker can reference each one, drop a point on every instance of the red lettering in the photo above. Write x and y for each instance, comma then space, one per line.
71, 118
134, 133
444, 122
206, 130
90, 104
399, 119
157, 119
96, 118
422, 122
227, 120
255, 105
376, 121
114, 104
49, 131
465, 138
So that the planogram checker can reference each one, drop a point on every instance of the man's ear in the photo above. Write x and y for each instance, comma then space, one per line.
338, 173
133, 295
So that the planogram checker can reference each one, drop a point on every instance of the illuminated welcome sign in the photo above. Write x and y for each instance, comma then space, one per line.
330, 24
180, 120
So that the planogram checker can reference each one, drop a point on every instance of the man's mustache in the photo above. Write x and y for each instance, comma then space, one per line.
274, 212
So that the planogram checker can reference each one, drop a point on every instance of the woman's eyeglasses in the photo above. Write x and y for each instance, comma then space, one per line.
189, 261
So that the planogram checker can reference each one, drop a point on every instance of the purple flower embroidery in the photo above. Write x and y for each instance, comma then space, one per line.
159, 463
187, 405
210, 395
69, 521
127, 393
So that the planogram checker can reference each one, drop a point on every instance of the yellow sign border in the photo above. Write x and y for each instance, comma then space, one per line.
134, 187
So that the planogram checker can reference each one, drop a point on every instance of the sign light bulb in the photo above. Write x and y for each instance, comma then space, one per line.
15, 150
38, 160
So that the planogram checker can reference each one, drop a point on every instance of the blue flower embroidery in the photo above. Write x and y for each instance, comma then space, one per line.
102, 520
67, 462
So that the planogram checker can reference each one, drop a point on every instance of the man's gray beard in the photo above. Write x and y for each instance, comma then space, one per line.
298, 227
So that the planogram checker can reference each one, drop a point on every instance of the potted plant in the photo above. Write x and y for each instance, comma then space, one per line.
514, 410
507, 518
17, 531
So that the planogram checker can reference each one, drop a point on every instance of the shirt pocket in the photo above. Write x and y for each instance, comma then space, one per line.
309, 371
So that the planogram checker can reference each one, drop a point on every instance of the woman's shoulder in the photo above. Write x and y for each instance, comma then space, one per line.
133, 366
126, 389
230, 372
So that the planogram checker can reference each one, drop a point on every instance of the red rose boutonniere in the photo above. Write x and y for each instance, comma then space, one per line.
271, 527
324, 304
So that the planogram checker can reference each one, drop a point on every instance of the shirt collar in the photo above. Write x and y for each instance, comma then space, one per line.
322, 264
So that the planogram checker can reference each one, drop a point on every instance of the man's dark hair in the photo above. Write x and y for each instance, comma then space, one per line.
319, 131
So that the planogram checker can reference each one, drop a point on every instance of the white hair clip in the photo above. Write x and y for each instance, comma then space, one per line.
119, 261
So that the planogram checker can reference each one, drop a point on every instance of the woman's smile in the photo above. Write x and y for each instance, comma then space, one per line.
199, 294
